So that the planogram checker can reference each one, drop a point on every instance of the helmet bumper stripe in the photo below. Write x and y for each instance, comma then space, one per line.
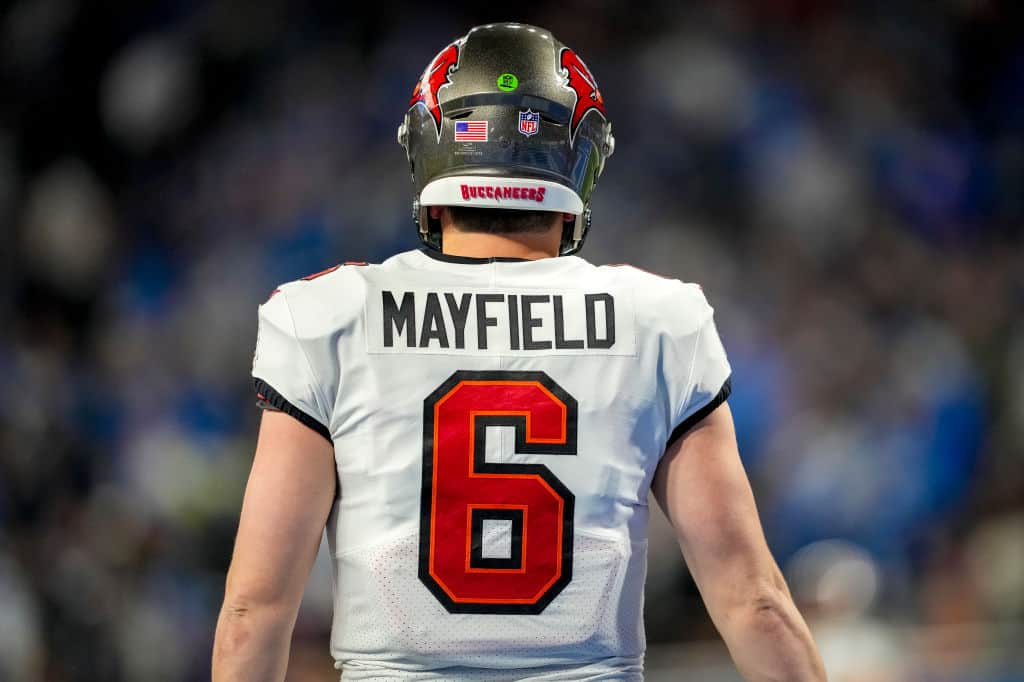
523, 194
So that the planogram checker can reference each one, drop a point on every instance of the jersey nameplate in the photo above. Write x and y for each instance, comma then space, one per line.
499, 322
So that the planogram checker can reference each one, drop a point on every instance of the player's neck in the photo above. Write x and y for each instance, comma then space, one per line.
482, 245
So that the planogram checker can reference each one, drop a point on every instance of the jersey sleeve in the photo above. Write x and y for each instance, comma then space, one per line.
709, 380
282, 373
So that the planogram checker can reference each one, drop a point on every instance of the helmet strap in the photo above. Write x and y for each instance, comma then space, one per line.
428, 229
573, 233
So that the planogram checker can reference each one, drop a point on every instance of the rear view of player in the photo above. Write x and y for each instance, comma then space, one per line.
478, 423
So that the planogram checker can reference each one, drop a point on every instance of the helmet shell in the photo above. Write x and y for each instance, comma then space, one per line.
506, 117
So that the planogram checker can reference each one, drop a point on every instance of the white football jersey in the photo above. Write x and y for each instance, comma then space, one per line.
496, 425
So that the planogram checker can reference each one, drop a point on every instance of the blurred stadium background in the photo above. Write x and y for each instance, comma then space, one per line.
846, 180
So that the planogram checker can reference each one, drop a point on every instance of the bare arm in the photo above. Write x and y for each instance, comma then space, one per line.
704, 491
287, 500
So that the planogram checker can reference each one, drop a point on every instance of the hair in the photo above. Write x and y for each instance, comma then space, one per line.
500, 221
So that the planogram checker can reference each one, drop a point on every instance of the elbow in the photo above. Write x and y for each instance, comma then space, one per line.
245, 625
240, 608
236, 616
764, 598
255, 607
237, 623
777, 642
241, 615
235, 610
769, 611
767, 603
766, 614
252, 597
233, 630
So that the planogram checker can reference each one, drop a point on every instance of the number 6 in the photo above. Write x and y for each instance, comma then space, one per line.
461, 490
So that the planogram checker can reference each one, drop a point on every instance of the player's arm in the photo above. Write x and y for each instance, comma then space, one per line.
287, 500
703, 489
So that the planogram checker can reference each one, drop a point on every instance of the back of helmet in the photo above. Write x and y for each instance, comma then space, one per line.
506, 117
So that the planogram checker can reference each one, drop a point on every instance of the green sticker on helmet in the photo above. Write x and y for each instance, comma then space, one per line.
508, 82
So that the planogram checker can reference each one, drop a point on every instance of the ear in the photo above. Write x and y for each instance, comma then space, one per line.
435, 211
568, 217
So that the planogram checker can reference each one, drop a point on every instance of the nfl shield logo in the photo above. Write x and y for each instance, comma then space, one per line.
529, 122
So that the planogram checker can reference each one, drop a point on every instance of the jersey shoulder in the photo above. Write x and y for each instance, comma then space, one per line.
322, 303
664, 302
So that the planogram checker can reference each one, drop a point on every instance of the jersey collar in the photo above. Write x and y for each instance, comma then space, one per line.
469, 260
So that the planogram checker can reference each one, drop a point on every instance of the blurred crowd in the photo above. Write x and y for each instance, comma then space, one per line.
845, 180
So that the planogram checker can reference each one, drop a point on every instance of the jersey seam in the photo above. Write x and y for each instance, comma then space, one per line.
309, 366
688, 391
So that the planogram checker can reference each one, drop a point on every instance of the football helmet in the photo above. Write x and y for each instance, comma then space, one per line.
506, 117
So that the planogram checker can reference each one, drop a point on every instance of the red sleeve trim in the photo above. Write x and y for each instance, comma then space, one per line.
627, 265
321, 273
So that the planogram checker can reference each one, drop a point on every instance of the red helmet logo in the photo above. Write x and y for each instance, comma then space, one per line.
579, 79
433, 79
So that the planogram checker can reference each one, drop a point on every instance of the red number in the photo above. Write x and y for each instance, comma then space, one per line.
461, 491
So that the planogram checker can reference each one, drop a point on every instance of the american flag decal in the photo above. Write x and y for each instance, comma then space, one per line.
471, 131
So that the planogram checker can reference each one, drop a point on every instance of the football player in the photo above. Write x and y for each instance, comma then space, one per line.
478, 423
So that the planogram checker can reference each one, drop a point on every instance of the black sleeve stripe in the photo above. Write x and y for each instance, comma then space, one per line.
268, 398
692, 420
